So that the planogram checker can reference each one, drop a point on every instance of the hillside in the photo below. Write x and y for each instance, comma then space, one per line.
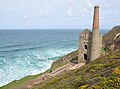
71, 57
109, 38
103, 73
60, 63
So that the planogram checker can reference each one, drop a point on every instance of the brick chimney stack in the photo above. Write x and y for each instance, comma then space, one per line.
96, 18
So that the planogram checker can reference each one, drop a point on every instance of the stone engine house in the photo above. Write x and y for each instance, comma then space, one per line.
90, 42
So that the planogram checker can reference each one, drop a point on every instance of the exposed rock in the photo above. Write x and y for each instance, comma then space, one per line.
112, 39
65, 59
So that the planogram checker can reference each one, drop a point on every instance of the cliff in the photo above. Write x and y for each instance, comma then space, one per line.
112, 39
102, 73
71, 57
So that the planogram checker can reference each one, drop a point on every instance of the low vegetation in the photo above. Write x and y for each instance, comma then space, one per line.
18, 83
103, 73
64, 60
109, 41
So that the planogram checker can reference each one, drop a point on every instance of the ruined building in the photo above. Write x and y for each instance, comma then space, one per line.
90, 42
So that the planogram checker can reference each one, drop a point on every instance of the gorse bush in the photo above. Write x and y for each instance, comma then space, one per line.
117, 70
112, 82
103, 73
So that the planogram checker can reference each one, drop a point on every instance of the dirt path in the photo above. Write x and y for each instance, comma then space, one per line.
47, 76
117, 35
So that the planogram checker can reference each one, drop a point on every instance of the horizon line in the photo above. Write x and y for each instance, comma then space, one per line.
51, 29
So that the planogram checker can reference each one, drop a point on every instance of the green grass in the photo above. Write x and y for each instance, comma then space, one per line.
102, 73
96, 75
74, 60
62, 61
18, 83
21, 82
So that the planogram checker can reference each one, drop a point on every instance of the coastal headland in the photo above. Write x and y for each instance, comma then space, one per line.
66, 73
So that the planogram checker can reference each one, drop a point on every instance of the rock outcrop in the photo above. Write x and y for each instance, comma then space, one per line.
112, 39
73, 56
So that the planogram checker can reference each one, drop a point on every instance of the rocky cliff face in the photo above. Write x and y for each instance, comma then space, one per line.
111, 42
112, 39
71, 57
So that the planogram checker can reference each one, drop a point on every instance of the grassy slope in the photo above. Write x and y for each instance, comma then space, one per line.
19, 83
101, 73
64, 60
108, 37
90, 73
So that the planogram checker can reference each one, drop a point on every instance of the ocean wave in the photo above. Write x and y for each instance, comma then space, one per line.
14, 50
17, 68
28, 63
33, 55
18, 45
2, 56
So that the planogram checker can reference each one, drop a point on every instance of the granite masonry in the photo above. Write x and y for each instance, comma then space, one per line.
90, 42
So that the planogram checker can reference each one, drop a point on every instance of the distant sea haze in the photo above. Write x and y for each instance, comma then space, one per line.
29, 52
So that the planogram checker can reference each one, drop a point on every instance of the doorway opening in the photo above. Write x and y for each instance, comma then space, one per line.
85, 56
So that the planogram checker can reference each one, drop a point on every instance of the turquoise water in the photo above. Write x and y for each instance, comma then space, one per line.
29, 52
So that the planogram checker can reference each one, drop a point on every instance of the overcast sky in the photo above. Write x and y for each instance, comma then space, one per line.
68, 14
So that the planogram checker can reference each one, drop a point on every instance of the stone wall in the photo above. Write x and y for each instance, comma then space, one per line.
91, 42
84, 46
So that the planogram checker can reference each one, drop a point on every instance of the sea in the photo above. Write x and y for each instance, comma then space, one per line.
30, 52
